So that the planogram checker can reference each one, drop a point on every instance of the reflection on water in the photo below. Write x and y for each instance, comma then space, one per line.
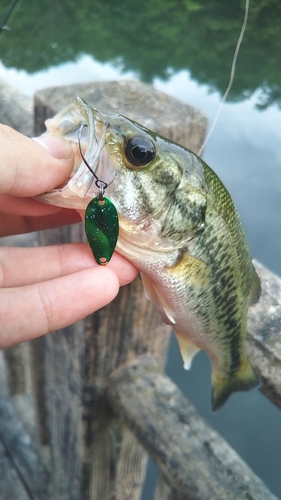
162, 39
245, 152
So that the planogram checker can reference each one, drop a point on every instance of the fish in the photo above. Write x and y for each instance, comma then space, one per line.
178, 225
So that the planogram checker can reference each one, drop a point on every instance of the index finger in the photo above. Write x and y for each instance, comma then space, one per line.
27, 168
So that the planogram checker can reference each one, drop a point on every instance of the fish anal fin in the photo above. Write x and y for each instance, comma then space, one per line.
255, 289
243, 379
187, 349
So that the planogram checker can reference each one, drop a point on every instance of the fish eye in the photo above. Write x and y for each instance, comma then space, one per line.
139, 151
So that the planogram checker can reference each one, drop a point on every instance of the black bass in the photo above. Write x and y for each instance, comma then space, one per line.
178, 226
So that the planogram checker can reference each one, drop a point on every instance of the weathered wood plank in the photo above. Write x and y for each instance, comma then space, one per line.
15, 369
11, 487
16, 109
163, 490
23, 454
121, 448
130, 469
37, 370
14, 356
264, 335
195, 460
85, 438
78, 362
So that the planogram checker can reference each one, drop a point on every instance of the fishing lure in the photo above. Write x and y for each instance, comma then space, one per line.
101, 219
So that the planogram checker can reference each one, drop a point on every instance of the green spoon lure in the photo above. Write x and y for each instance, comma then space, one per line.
101, 219
101, 227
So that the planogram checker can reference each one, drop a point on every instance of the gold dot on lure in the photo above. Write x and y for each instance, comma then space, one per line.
101, 219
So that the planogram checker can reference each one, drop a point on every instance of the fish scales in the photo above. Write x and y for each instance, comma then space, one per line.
179, 227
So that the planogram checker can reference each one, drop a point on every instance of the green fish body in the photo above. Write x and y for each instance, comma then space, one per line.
178, 225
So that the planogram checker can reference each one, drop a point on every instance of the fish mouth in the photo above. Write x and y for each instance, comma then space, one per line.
77, 118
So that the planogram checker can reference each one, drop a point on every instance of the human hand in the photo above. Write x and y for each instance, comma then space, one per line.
48, 288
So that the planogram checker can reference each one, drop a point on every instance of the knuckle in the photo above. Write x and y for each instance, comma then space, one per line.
2, 275
47, 309
62, 254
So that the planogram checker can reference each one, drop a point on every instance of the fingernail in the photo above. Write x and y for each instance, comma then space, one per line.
57, 147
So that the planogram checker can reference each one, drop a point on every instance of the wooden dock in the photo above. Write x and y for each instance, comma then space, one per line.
82, 408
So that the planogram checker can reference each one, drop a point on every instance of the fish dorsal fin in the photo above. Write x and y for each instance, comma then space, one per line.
152, 294
255, 289
187, 349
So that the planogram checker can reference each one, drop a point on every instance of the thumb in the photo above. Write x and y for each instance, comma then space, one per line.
30, 167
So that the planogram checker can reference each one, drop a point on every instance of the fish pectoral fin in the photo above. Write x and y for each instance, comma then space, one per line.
255, 289
187, 349
152, 294
243, 379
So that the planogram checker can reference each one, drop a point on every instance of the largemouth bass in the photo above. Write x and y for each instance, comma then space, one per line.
178, 226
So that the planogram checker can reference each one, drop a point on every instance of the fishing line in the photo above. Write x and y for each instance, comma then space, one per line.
232, 73
101, 185
7, 14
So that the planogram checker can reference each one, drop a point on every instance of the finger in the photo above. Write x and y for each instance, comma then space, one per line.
16, 224
25, 206
31, 311
125, 271
26, 266
27, 168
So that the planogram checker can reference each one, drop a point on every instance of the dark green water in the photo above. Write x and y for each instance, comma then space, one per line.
185, 48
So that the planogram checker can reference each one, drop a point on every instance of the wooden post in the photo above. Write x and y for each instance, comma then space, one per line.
15, 369
264, 335
93, 455
23, 474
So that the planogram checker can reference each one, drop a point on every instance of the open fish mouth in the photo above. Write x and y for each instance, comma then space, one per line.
80, 188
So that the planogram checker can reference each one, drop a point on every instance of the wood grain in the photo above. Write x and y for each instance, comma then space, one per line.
196, 462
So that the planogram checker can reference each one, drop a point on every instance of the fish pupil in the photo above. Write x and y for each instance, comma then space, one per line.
139, 151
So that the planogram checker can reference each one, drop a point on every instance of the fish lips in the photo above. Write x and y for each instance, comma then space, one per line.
82, 186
